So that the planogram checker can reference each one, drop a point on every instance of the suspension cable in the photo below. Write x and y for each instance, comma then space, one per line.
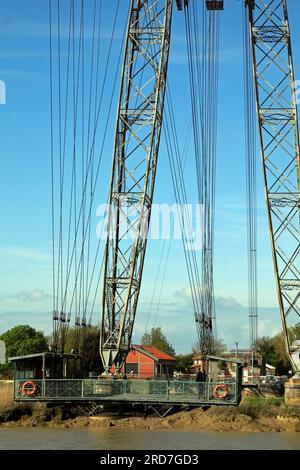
250, 163
203, 77
73, 257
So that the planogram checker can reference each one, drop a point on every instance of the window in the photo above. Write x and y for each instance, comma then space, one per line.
132, 367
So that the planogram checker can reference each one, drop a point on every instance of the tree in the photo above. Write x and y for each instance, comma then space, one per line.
294, 332
20, 341
282, 363
157, 339
183, 362
265, 347
273, 351
217, 347
89, 348
23, 340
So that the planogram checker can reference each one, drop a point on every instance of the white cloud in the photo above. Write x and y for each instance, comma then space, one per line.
177, 321
184, 293
36, 295
227, 302
221, 302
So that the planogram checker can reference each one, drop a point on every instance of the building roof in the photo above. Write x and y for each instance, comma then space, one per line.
239, 351
198, 357
214, 358
154, 353
41, 355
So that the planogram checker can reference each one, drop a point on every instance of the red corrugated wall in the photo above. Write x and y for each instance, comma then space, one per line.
146, 365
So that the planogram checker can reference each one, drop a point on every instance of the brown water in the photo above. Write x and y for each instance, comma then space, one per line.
115, 439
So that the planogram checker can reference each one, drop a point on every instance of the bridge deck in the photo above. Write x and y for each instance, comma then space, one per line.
133, 391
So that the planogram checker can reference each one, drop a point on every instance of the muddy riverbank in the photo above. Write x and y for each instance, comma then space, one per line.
252, 415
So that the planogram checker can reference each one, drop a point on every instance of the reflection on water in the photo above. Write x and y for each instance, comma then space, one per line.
118, 439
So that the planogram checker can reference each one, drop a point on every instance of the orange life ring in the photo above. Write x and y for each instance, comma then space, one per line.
220, 387
29, 391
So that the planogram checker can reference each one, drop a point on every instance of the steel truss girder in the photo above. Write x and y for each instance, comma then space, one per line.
137, 138
279, 141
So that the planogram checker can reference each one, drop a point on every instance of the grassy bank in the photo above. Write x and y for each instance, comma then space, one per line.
9, 410
257, 407
6, 395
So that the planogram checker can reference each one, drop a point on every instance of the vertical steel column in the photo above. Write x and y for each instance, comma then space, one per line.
137, 138
279, 140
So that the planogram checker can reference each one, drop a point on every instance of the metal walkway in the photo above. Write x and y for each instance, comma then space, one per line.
129, 391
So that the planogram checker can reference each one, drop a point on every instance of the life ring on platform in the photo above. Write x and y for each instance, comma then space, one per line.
224, 393
29, 388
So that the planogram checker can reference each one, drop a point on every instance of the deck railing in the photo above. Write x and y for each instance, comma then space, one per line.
144, 391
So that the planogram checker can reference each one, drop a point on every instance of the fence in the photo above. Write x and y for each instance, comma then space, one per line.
144, 391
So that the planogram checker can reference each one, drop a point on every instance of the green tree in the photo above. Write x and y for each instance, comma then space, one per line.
282, 363
22, 340
265, 347
89, 348
272, 350
183, 362
294, 332
157, 339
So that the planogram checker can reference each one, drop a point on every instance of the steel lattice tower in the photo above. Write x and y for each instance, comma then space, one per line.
279, 141
137, 137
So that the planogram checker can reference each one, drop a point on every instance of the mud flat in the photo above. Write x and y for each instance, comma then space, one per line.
6, 394
254, 414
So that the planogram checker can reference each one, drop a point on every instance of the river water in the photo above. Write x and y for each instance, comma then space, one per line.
119, 439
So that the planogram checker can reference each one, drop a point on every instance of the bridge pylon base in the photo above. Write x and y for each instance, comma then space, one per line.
292, 392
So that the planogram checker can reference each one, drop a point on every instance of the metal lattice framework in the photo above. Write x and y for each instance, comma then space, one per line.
279, 140
137, 137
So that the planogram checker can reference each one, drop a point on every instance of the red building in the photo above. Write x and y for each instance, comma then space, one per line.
147, 362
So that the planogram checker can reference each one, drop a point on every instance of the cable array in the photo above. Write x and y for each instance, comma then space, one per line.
203, 60
250, 163
84, 68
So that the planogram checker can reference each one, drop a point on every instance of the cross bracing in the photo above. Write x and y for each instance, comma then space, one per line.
137, 137
279, 140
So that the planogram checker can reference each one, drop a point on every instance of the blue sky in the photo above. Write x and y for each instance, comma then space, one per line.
25, 237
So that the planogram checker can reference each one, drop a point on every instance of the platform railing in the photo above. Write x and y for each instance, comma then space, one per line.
172, 391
